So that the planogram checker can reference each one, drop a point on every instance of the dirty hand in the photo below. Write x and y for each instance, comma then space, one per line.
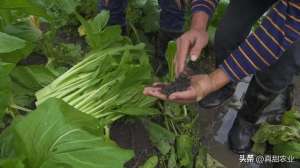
190, 44
201, 86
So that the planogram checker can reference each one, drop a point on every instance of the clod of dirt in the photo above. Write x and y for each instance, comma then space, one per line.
180, 84
133, 135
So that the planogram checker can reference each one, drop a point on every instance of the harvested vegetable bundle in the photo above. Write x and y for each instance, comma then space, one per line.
107, 84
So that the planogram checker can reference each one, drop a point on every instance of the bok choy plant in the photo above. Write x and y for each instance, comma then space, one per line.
107, 84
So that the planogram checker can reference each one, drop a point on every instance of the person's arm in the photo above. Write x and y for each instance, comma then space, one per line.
192, 42
206, 6
278, 31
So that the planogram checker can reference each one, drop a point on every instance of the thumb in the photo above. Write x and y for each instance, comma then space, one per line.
196, 50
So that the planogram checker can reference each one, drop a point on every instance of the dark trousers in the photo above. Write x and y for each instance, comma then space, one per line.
235, 26
171, 16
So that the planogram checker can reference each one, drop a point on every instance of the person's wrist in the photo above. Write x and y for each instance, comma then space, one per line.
218, 79
203, 86
199, 21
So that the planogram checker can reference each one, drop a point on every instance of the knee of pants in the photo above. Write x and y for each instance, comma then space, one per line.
171, 16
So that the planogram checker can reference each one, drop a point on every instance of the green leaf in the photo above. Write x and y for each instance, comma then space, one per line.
105, 38
7, 143
5, 87
97, 35
51, 137
160, 137
276, 134
16, 56
287, 135
184, 148
172, 159
150, 19
171, 52
99, 22
23, 30
26, 80
288, 149
138, 3
291, 118
11, 163
26, 6
151, 162
10, 43
22, 96
56, 11
68, 6
139, 111
33, 77
202, 158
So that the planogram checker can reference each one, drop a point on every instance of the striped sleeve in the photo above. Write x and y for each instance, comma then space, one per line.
263, 47
207, 6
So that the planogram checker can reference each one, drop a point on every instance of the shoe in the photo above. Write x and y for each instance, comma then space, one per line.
218, 98
240, 136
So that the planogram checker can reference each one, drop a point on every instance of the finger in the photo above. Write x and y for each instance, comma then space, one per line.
184, 95
196, 50
181, 54
154, 92
159, 84
149, 91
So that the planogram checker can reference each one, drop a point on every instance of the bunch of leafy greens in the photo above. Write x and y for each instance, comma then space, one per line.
108, 83
19, 35
285, 138
57, 135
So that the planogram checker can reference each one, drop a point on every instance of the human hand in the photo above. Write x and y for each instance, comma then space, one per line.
190, 44
201, 85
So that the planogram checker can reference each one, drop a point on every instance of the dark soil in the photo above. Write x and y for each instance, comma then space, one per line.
34, 59
131, 134
202, 66
180, 84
